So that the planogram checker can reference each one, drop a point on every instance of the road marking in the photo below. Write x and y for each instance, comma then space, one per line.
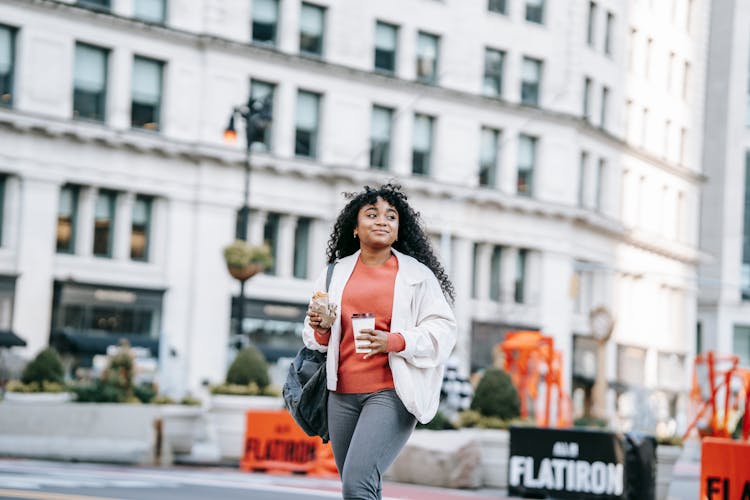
43, 495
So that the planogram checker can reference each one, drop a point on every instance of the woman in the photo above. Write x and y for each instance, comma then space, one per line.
383, 265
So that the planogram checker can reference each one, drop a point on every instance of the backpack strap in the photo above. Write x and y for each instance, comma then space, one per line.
329, 273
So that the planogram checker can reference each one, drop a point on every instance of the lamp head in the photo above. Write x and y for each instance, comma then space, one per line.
230, 133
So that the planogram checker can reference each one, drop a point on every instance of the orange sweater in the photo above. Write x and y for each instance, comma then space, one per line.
369, 289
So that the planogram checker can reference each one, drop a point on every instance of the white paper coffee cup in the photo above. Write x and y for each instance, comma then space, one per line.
362, 321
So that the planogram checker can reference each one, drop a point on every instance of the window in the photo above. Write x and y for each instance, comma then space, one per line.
647, 59
427, 58
671, 371
667, 134
386, 40
747, 109
306, 124
421, 155
271, 238
496, 273
474, 270
95, 4
7, 64
519, 294
265, 21
499, 6
586, 98
80, 309
631, 364
526, 160
67, 215
644, 127
90, 82
670, 70
628, 112
152, 11
604, 106
531, 78
741, 344
488, 157
689, 15
261, 138
140, 234
301, 245
582, 164
608, 34
104, 223
311, 29
683, 145
493, 72
535, 11
685, 80
147, 84
631, 49
600, 183
3, 187
745, 280
590, 29
380, 137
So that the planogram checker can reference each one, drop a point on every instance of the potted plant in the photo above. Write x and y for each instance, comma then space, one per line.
42, 380
494, 408
245, 261
247, 386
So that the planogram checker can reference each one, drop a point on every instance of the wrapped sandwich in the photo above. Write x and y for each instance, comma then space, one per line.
326, 310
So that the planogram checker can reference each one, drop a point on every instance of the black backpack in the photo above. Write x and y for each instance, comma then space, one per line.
305, 392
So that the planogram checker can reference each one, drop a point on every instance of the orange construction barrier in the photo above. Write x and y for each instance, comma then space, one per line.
719, 386
724, 469
275, 443
528, 355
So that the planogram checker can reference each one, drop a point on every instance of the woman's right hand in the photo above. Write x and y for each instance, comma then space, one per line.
314, 321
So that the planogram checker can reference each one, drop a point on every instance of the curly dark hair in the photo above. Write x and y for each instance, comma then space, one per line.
411, 241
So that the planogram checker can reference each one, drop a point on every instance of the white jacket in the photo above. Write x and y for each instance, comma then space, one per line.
420, 313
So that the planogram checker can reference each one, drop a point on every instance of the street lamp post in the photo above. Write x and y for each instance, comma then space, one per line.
256, 115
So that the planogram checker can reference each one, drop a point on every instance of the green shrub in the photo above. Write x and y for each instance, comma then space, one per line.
439, 423
249, 367
496, 396
146, 392
590, 421
115, 384
45, 367
190, 401
18, 386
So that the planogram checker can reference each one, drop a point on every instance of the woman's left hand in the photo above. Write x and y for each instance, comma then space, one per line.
378, 341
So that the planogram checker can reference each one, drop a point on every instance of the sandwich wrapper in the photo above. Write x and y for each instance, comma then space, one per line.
326, 310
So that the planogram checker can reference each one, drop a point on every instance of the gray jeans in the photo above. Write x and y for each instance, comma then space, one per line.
367, 433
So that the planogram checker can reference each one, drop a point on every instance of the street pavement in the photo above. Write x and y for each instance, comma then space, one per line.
43, 480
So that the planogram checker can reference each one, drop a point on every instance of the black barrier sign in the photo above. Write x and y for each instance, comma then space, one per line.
565, 463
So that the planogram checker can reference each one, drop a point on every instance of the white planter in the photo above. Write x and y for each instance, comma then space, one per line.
494, 445
227, 415
182, 427
37, 397
666, 457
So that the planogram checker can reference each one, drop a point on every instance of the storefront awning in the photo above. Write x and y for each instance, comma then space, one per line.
83, 342
10, 339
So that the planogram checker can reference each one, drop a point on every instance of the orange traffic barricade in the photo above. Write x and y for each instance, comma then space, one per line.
724, 469
274, 443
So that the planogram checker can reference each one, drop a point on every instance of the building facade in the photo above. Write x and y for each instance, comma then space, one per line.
553, 149
724, 310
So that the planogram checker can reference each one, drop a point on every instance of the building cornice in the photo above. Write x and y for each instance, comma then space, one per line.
195, 152
311, 64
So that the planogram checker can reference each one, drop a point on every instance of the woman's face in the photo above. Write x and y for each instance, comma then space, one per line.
377, 225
